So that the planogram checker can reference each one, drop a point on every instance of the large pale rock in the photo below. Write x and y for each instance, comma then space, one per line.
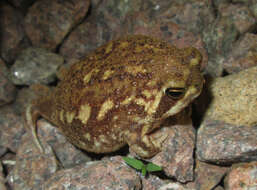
234, 98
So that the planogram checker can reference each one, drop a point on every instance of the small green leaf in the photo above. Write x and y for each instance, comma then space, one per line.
134, 162
150, 167
143, 171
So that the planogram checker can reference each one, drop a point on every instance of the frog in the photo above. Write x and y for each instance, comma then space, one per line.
120, 94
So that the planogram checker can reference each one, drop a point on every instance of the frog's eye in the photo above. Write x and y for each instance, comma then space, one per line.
175, 93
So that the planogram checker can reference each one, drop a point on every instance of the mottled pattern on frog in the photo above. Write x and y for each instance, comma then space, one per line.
116, 95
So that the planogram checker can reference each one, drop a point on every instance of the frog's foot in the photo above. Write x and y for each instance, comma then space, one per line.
146, 146
31, 125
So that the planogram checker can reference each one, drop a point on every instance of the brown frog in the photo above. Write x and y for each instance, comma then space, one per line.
120, 94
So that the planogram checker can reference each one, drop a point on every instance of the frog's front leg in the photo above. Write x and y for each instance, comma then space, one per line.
144, 143
31, 116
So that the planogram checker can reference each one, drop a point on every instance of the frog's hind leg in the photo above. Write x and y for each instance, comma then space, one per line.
31, 116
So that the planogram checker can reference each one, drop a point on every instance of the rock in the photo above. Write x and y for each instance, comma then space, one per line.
243, 55
253, 8
35, 65
21, 4
228, 131
218, 188
190, 15
152, 182
48, 22
3, 69
223, 143
32, 167
7, 89
240, 15
66, 153
100, 27
218, 38
117, 9
3, 150
207, 176
142, 23
173, 186
107, 174
26, 95
243, 1
234, 98
214, 67
23, 98
242, 176
218, 3
84, 39
8, 161
155, 183
11, 128
12, 32
103, 26
176, 157
95, 3
2, 179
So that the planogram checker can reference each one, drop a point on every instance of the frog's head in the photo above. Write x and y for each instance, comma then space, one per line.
180, 79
